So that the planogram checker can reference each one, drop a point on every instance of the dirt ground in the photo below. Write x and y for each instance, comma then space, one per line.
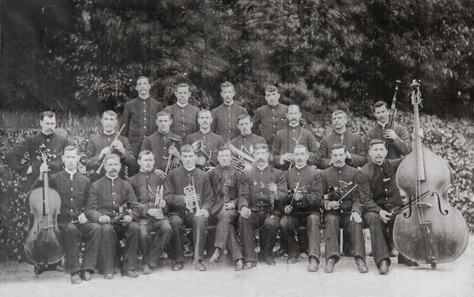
451, 279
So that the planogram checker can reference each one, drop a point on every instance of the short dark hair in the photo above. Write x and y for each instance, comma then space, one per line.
111, 156
48, 114
70, 148
243, 117
204, 111
182, 85
271, 88
187, 148
110, 113
337, 146
145, 152
227, 85
163, 113
142, 76
301, 146
380, 104
377, 141
223, 149
261, 146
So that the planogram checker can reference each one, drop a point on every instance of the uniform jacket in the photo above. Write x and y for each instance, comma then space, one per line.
73, 192
107, 196
285, 142
351, 141
377, 186
270, 119
177, 180
397, 148
225, 120
247, 143
336, 183
253, 189
211, 143
54, 144
159, 145
139, 118
310, 185
225, 183
184, 119
145, 185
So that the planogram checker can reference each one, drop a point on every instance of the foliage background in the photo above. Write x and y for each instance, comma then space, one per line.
80, 57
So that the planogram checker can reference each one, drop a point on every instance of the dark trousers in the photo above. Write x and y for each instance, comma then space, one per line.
71, 236
108, 244
333, 223
268, 230
226, 234
178, 224
288, 227
151, 250
379, 244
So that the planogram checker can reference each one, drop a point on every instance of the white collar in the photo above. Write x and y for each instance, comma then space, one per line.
181, 105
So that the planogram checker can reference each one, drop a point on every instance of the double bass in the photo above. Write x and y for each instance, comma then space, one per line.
41, 245
428, 229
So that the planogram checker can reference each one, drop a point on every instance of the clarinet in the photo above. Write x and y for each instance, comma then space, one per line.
110, 148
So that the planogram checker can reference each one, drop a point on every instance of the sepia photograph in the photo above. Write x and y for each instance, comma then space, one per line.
236, 148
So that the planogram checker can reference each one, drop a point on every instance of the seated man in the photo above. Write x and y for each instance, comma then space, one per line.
148, 188
302, 208
107, 205
225, 183
339, 182
73, 189
260, 192
188, 194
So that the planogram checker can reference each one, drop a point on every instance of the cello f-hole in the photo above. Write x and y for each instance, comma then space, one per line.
410, 205
443, 212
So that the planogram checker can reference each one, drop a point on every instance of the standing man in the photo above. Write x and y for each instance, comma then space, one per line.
246, 141
183, 114
380, 197
52, 143
355, 150
178, 201
153, 214
163, 144
260, 192
398, 137
225, 185
138, 115
340, 180
286, 140
270, 118
211, 142
225, 116
302, 208
106, 143
73, 225
112, 204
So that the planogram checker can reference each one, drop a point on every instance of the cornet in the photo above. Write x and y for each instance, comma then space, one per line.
192, 199
198, 146
173, 162
239, 158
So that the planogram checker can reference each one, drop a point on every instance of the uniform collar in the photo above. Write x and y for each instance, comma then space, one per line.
182, 105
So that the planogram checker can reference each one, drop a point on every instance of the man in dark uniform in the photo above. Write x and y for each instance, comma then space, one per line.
138, 115
246, 141
302, 208
112, 204
260, 192
211, 142
225, 185
380, 197
73, 225
148, 188
286, 139
225, 116
52, 143
183, 114
355, 150
106, 143
163, 144
178, 202
270, 118
340, 180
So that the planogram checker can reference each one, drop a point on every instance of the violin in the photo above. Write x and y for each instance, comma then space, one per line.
428, 229
41, 245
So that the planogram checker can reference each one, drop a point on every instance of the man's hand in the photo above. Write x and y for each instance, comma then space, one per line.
117, 145
248, 167
43, 168
298, 196
162, 203
287, 157
174, 151
390, 134
348, 155
104, 219
229, 205
385, 216
155, 213
82, 218
272, 187
332, 205
161, 173
288, 209
245, 212
127, 219
205, 213
104, 152
355, 216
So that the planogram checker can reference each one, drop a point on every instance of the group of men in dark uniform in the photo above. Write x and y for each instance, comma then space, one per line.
168, 169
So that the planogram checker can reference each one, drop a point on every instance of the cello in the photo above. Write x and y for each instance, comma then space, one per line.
41, 245
428, 229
